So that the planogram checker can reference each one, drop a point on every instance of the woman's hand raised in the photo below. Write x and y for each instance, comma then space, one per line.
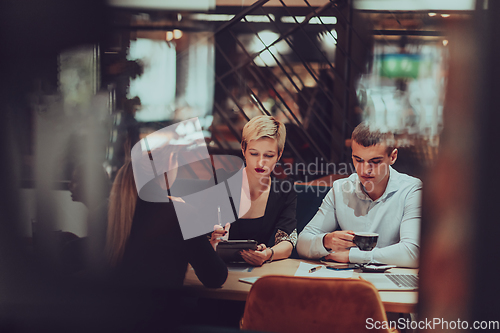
219, 234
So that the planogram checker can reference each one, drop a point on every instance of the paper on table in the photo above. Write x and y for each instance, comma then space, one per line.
250, 280
304, 268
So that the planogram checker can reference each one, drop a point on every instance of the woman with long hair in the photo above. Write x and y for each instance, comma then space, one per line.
145, 246
122, 201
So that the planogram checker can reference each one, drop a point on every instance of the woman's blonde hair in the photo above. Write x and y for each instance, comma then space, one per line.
121, 211
264, 127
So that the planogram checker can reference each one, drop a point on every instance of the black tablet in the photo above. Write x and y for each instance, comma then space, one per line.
229, 250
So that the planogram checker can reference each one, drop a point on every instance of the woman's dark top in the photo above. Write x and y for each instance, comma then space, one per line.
278, 223
157, 255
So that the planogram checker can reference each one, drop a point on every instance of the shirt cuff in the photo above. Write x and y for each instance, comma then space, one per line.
319, 247
360, 257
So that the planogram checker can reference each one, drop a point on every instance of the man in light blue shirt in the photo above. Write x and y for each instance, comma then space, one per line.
375, 199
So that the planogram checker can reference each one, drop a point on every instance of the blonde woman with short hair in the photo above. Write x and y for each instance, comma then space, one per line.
270, 218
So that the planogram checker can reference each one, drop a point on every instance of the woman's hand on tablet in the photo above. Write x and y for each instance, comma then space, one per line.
219, 234
257, 257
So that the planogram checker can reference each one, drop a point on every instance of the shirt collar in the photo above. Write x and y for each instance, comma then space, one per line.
392, 187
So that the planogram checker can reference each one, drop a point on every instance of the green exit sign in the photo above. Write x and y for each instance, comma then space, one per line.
404, 66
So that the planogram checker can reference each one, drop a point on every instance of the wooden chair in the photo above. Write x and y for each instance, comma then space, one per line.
297, 304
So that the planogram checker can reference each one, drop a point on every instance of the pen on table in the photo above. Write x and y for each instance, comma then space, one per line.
314, 269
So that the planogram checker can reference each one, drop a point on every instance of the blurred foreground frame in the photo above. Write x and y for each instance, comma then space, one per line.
33, 298
460, 208
459, 228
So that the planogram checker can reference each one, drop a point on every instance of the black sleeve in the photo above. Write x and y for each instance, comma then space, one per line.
287, 221
207, 264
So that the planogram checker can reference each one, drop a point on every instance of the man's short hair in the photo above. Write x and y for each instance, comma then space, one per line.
367, 138
264, 127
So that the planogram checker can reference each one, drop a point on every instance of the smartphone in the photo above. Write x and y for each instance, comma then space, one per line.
340, 267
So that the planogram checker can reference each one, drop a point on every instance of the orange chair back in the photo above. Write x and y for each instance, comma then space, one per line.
297, 304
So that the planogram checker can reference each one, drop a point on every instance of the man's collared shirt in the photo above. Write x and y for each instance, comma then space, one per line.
395, 216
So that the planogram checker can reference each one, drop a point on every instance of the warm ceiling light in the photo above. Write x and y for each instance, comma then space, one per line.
445, 42
445, 15
169, 36
177, 34
432, 14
